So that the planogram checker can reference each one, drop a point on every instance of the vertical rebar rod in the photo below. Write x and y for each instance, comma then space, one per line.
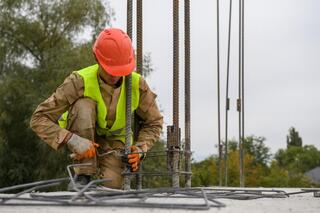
129, 18
187, 93
128, 84
242, 83
227, 99
140, 37
139, 61
239, 101
218, 94
175, 177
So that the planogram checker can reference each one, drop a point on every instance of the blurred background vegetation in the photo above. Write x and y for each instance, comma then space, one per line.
40, 44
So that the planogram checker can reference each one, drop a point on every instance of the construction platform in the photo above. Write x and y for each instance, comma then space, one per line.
208, 199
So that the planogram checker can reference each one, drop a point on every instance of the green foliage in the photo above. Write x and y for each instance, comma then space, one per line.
277, 176
298, 159
205, 173
256, 147
281, 177
293, 139
286, 169
253, 146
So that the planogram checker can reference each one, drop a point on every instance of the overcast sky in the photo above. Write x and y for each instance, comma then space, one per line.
282, 78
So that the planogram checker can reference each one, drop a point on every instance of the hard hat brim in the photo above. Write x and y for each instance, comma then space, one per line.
121, 70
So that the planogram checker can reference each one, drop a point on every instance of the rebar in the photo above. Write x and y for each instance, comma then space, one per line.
128, 86
239, 100
218, 95
37, 183
139, 64
227, 97
242, 96
176, 128
187, 92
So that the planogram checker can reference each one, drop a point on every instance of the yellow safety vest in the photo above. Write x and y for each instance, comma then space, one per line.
92, 90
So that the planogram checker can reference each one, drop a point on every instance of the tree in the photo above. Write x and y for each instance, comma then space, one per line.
256, 158
253, 168
298, 159
255, 147
295, 161
293, 139
205, 173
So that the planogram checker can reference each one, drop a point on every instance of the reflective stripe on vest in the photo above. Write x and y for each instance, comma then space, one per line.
92, 90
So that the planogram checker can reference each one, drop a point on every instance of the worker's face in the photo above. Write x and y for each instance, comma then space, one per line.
109, 79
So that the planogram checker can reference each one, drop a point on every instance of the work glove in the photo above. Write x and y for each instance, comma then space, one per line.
134, 158
81, 147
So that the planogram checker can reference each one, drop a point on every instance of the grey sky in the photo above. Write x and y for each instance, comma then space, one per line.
282, 78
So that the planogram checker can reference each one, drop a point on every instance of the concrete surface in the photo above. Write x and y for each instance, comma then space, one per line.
295, 203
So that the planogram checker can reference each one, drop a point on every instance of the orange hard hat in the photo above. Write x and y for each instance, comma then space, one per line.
114, 52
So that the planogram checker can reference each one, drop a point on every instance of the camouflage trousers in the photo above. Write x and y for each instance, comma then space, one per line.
82, 121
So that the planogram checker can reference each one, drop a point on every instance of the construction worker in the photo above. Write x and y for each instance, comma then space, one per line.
88, 111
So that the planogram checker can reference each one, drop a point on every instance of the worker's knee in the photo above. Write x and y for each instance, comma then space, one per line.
82, 118
84, 108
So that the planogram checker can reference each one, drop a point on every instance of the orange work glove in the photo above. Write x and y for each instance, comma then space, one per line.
134, 158
82, 147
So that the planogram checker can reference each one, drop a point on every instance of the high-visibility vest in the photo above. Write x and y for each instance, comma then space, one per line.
92, 90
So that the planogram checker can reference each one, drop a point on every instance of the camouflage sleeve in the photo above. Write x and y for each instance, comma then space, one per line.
152, 120
44, 121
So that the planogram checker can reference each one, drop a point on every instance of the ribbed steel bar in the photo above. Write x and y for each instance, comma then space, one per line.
242, 91
3, 200
84, 189
139, 64
227, 99
239, 100
128, 85
218, 94
176, 138
187, 92
129, 18
26, 185
140, 37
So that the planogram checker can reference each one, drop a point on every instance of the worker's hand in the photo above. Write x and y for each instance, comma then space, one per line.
81, 147
134, 158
